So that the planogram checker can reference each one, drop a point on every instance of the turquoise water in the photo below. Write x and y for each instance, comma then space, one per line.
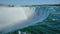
50, 25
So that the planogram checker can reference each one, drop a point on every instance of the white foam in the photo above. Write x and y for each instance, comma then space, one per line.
13, 15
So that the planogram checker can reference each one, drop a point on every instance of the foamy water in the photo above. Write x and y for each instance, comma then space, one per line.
12, 18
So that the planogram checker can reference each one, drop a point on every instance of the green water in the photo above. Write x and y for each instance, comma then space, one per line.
51, 25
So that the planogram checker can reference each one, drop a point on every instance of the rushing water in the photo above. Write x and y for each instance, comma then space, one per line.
51, 25
14, 18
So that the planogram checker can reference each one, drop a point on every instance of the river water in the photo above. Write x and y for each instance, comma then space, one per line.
14, 18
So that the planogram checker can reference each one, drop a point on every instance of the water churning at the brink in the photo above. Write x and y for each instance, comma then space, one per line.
12, 18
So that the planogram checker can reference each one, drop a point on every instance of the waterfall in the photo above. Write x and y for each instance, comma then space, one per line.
13, 18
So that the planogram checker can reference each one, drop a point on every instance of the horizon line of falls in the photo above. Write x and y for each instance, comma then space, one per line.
13, 18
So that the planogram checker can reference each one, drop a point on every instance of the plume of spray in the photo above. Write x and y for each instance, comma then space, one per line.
13, 18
